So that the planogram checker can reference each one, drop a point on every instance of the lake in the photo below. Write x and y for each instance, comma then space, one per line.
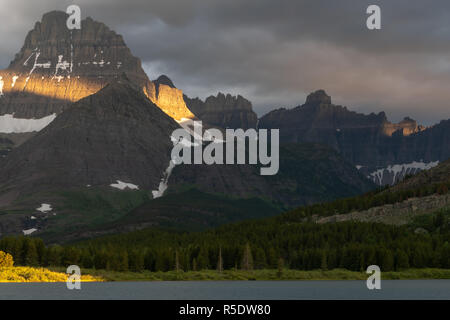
231, 290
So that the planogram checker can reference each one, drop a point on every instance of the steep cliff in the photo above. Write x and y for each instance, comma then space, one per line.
224, 111
383, 151
57, 66
115, 136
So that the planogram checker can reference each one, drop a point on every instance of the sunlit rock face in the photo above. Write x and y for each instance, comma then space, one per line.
405, 127
165, 95
57, 66
116, 134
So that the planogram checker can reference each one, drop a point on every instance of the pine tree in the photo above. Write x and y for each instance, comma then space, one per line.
247, 259
220, 261
387, 263
323, 263
260, 259
40, 249
280, 267
402, 260
149, 261
203, 259
30, 253
272, 258
177, 261
122, 263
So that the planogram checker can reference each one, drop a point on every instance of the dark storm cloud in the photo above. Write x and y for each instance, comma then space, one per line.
275, 52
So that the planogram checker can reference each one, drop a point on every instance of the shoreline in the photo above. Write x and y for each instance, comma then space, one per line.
57, 274
266, 275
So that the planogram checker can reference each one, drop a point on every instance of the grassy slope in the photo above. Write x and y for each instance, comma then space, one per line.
95, 212
89, 208
194, 210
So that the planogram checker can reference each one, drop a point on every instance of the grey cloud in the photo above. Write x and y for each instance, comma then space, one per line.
275, 52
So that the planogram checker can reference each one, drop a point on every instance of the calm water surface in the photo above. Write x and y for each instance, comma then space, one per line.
231, 290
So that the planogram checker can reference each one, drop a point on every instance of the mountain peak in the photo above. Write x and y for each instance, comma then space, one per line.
224, 111
163, 79
54, 15
57, 66
318, 97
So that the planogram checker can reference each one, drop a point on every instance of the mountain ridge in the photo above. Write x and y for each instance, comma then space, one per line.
370, 142
114, 134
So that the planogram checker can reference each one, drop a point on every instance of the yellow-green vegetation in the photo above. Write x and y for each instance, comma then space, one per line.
9, 273
263, 275
6, 260
29, 274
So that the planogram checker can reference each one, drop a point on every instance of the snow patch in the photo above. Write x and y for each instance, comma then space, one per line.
9, 124
188, 125
14, 79
122, 185
38, 65
398, 171
45, 208
61, 65
29, 231
164, 184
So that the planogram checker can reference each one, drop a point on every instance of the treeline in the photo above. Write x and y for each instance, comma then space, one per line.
249, 245
364, 202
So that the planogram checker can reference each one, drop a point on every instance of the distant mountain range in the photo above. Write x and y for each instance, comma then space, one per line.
85, 140
383, 151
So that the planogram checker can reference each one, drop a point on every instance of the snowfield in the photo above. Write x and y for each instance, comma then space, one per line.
9, 124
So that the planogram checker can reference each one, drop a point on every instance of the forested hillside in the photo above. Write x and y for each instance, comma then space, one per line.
258, 244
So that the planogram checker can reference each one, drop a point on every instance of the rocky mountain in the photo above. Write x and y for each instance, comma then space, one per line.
57, 66
85, 139
114, 137
423, 196
224, 111
165, 95
383, 151
309, 173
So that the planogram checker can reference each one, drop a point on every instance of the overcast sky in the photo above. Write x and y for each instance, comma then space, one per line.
274, 52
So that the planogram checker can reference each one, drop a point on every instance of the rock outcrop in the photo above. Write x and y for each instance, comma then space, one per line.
370, 142
224, 111
396, 214
57, 66
117, 134
165, 95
